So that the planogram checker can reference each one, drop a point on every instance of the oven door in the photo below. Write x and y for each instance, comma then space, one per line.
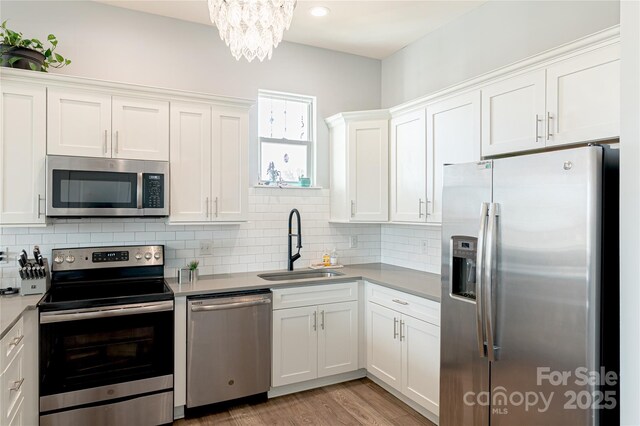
89, 356
86, 187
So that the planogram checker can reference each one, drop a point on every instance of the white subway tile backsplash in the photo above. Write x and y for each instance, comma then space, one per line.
401, 245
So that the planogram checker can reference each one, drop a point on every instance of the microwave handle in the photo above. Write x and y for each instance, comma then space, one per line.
139, 192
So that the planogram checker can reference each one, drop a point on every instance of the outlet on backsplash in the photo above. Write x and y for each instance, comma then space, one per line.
423, 247
206, 248
353, 241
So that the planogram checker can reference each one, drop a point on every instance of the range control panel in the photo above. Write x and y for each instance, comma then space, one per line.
73, 259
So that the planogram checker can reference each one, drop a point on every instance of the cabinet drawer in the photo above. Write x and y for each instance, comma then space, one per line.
11, 344
408, 304
11, 387
314, 295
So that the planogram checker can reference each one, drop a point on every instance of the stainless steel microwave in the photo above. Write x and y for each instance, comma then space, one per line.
106, 187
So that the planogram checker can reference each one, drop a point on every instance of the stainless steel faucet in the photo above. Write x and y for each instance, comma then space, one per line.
294, 257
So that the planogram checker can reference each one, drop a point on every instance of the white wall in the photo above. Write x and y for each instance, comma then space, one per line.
494, 35
630, 214
260, 244
111, 43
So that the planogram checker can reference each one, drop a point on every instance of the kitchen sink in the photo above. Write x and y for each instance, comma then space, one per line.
298, 275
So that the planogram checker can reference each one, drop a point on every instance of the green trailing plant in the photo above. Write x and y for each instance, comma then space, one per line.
193, 265
10, 39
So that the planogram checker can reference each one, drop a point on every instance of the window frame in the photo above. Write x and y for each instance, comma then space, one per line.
310, 143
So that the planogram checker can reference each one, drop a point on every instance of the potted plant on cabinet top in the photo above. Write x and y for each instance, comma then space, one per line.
24, 53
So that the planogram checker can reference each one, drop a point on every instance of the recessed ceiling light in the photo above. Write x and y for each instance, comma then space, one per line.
319, 11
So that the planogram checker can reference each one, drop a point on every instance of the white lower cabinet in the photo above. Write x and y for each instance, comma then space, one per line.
316, 340
403, 350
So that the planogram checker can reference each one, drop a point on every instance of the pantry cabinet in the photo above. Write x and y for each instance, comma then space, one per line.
359, 166
313, 339
208, 163
403, 343
574, 100
22, 153
90, 123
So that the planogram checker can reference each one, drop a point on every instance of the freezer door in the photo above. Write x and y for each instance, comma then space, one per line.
464, 370
545, 285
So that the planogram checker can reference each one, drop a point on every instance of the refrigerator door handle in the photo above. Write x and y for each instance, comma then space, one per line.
479, 276
489, 275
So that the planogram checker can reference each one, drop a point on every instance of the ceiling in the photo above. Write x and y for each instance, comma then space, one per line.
372, 28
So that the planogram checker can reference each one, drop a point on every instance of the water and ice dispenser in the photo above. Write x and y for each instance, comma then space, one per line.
463, 271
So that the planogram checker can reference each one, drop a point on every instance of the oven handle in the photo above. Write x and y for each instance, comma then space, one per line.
105, 312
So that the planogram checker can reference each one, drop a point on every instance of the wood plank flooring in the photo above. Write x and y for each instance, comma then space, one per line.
358, 402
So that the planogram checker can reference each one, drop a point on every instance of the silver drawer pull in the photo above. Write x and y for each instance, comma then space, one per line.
16, 340
402, 302
16, 385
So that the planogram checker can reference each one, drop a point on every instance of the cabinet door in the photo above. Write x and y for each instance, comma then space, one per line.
190, 162
453, 137
408, 189
384, 357
337, 338
78, 123
583, 97
421, 362
513, 114
369, 170
295, 345
22, 154
140, 129
230, 164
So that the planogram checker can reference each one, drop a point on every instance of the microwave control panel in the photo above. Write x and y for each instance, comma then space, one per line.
153, 191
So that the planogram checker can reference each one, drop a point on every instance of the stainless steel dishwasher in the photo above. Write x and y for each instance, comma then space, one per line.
228, 347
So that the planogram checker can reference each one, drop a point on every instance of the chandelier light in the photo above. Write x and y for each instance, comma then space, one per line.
251, 28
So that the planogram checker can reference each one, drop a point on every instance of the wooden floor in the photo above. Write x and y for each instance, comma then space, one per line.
359, 402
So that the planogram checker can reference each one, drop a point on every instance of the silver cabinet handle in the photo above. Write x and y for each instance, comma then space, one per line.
39, 201
206, 202
484, 208
420, 203
402, 336
315, 321
116, 144
489, 275
16, 385
216, 201
353, 208
402, 302
549, 118
16, 340
395, 328
104, 147
322, 320
538, 120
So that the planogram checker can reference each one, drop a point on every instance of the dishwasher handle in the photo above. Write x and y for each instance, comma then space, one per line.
230, 305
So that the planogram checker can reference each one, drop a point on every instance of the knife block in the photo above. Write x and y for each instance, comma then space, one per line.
36, 285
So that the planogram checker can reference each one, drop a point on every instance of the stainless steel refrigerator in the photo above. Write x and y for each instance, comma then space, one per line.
530, 290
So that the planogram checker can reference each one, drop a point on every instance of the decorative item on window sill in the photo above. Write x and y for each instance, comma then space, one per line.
305, 182
251, 28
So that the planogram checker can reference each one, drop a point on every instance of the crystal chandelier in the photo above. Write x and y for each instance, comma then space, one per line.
251, 27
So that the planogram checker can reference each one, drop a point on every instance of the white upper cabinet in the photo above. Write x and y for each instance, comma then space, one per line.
140, 129
208, 163
22, 153
408, 162
93, 124
583, 97
78, 122
513, 114
359, 166
453, 137
230, 164
190, 164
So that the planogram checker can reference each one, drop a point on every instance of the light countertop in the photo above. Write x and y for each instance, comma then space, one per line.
410, 281
12, 308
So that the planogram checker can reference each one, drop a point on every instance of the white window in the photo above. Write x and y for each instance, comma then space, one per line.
286, 131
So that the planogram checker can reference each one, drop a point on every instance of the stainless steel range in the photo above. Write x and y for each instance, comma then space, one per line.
106, 338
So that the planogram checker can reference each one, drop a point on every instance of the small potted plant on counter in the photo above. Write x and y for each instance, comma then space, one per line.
28, 53
193, 270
